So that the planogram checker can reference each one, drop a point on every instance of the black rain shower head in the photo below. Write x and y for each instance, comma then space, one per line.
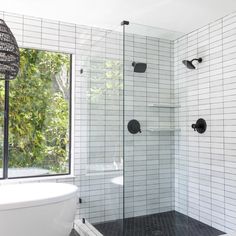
189, 64
139, 67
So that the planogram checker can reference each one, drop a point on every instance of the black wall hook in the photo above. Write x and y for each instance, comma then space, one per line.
200, 126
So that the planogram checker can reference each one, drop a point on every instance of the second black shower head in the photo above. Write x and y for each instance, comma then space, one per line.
189, 64
139, 67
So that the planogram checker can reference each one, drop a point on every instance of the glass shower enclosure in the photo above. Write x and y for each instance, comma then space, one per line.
149, 153
128, 174
149, 99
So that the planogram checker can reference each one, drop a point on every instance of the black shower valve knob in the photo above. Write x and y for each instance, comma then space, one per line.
194, 127
134, 127
200, 126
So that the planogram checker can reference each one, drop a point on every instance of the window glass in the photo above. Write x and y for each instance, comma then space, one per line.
39, 115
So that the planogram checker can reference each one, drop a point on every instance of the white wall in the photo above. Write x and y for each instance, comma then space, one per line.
206, 163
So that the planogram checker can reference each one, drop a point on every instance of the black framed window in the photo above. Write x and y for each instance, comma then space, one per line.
38, 116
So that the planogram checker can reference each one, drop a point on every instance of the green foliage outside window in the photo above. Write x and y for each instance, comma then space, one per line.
39, 112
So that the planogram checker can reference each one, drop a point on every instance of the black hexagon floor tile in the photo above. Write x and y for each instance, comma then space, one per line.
163, 224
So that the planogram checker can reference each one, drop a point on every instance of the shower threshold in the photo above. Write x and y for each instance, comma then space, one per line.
169, 223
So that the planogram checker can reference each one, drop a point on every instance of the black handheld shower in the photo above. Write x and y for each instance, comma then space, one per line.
189, 64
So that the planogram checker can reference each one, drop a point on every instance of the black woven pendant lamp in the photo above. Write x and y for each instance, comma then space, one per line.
9, 53
9, 68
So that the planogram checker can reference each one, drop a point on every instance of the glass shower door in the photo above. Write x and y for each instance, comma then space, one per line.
101, 165
149, 145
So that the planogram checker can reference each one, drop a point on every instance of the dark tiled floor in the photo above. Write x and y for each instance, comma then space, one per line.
164, 224
73, 233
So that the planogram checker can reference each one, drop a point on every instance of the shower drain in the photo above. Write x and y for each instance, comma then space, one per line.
157, 233
153, 231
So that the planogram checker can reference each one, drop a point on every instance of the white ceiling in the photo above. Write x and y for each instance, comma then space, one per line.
177, 15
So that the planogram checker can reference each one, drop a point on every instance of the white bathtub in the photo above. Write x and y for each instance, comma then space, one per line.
37, 209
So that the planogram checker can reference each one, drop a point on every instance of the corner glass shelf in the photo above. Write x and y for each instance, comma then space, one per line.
163, 105
163, 129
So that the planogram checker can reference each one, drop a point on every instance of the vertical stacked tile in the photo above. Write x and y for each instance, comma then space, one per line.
229, 122
205, 189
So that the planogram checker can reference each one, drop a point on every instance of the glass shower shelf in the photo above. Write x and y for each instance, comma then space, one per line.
163, 105
163, 129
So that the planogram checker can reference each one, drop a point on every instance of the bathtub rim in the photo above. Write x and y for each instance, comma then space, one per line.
38, 179
14, 204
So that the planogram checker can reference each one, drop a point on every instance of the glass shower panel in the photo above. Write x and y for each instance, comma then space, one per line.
153, 174
102, 164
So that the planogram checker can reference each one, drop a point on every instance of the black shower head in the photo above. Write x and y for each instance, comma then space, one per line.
189, 64
139, 67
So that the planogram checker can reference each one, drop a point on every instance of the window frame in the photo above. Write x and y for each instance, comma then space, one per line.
5, 157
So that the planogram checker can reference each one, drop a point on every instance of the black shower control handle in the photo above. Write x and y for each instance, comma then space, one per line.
197, 126
134, 127
200, 126
194, 127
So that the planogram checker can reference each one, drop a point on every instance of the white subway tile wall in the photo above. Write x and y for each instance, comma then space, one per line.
191, 173
205, 165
